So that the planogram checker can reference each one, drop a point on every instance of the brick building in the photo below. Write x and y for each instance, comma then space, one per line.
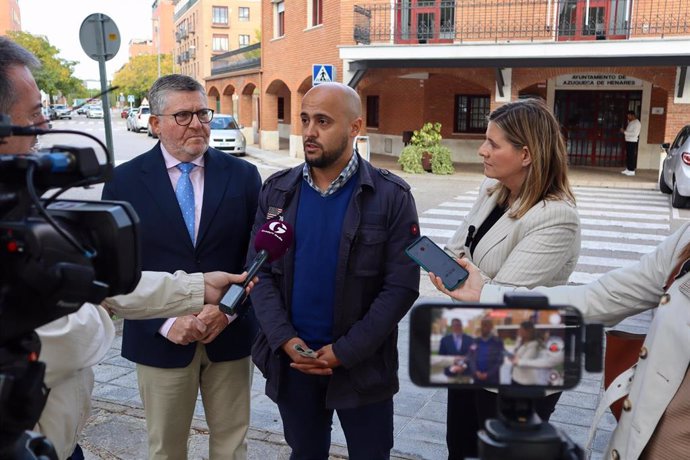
414, 61
10, 16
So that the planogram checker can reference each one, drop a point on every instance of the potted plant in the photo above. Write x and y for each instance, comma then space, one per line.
425, 152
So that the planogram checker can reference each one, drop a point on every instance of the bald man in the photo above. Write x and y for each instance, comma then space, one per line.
329, 310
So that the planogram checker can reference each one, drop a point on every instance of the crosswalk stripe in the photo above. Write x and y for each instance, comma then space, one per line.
432, 221
446, 212
625, 224
437, 233
584, 278
622, 215
456, 204
605, 261
615, 191
622, 207
611, 246
662, 202
658, 197
622, 235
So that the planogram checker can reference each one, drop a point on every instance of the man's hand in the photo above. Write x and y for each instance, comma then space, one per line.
313, 366
216, 283
186, 329
215, 322
326, 353
470, 290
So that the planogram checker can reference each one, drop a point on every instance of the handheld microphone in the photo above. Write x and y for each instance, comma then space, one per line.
272, 241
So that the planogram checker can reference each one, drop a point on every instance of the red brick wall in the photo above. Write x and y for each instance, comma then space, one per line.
290, 58
657, 128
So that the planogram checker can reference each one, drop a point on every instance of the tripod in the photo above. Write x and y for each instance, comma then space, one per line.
519, 433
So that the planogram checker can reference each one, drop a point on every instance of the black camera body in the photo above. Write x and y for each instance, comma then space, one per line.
55, 255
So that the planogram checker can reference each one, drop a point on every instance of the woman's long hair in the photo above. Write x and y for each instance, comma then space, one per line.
529, 123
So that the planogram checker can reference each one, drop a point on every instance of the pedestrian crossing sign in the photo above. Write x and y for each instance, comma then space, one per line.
322, 73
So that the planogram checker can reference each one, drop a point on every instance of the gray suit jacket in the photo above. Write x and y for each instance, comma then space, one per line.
540, 248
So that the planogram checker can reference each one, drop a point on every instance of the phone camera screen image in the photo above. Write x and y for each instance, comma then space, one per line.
497, 346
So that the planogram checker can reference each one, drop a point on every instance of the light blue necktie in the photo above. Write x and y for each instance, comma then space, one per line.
185, 196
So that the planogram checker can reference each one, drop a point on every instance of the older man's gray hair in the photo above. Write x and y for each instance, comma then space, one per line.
173, 82
12, 54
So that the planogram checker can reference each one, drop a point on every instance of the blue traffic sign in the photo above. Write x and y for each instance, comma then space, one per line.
322, 73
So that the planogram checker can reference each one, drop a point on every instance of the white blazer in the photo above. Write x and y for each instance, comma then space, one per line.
626, 292
540, 248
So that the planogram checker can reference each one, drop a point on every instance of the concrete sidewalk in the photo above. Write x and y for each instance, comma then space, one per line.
117, 427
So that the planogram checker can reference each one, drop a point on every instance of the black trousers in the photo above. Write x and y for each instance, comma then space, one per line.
307, 422
468, 411
631, 156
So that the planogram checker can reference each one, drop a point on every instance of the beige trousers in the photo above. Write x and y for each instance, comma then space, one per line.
169, 397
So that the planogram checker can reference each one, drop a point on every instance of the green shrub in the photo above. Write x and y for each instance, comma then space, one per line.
426, 140
411, 159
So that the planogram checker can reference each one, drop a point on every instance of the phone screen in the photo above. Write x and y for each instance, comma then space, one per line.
434, 259
495, 346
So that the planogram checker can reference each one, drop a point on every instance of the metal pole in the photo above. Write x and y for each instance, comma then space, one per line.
100, 37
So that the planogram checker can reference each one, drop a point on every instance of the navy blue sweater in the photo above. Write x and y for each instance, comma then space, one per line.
318, 232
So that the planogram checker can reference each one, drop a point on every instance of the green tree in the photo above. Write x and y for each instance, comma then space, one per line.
137, 75
56, 74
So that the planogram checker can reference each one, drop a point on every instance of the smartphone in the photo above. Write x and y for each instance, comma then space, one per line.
490, 354
434, 259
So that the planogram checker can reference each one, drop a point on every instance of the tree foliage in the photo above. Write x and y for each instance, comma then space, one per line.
56, 74
137, 75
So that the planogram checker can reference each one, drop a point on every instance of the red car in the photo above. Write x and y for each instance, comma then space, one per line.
124, 113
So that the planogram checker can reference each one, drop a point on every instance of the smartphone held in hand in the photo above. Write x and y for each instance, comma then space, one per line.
435, 260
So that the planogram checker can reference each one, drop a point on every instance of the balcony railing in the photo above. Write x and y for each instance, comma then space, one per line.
245, 58
448, 21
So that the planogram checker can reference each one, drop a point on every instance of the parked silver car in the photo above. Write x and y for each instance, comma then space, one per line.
62, 111
226, 135
675, 172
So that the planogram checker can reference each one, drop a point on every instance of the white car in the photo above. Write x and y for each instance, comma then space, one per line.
94, 111
131, 119
226, 135
675, 171
140, 122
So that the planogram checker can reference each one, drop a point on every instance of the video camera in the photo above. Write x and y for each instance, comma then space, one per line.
55, 255
560, 339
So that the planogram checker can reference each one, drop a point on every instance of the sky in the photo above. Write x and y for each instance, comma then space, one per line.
60, 22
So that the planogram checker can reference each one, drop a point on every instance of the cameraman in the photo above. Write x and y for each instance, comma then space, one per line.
74, 343
655, 421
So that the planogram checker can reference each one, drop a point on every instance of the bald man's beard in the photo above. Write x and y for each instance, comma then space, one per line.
328, 157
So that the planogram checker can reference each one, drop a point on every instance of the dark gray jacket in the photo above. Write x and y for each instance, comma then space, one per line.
376, 284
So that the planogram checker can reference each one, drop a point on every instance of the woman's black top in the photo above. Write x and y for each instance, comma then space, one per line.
474, 238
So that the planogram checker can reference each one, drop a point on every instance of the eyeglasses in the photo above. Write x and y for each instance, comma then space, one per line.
185, 117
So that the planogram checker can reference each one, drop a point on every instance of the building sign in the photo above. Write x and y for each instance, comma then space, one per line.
597, 81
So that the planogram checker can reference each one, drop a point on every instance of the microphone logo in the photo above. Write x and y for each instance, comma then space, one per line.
277, 227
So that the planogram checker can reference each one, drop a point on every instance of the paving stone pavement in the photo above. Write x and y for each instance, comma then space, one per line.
116, 429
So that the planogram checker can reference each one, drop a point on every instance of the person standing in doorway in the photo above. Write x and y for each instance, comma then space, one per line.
632, 136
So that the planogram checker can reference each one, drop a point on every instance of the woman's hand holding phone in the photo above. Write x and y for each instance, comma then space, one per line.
470, 290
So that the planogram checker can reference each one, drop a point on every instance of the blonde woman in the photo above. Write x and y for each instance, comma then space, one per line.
523, 230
